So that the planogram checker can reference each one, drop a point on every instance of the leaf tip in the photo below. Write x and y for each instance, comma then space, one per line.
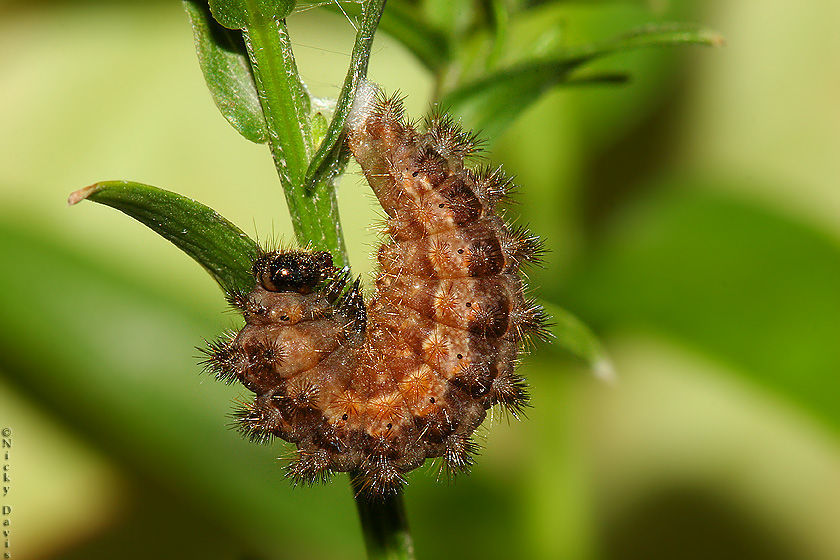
81, 194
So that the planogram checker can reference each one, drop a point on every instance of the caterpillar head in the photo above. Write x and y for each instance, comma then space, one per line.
293, 271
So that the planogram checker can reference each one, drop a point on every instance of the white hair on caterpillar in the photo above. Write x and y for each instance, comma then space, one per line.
363, 103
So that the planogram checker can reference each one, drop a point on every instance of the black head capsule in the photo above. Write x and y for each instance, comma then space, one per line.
293, 271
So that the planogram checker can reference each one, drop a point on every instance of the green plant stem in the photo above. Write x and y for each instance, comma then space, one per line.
286, 107
384, 524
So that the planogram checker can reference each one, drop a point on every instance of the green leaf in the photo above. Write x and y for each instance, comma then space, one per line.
224, 62
492, 102
322, 168
652, 35
735, 280
239, 14
223, 249
572, 334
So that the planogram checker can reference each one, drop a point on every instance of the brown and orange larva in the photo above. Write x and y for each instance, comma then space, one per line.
379, 388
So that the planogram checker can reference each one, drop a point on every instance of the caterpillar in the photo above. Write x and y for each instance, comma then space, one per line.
377, 388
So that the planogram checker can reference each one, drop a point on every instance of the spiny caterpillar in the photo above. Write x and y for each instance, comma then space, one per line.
379, 388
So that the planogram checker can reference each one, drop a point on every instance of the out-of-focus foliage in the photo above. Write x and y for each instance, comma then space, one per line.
721, 259
710, 266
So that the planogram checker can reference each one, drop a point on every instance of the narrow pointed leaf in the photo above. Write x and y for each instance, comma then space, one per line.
491, 103
572, 334
655, 35
223, 249
227, 71
322, 167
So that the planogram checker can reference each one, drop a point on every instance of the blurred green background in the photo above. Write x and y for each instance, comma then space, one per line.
694, 221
